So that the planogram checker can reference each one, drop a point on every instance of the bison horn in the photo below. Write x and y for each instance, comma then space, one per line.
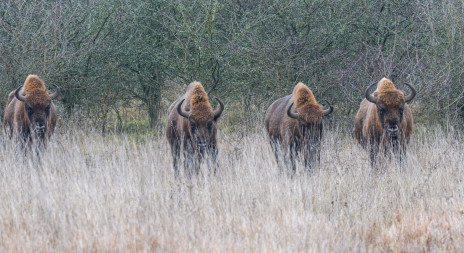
329, 110
368, 94
19, 96
56, 93
411, 95
218, 111
290, 113
181, 112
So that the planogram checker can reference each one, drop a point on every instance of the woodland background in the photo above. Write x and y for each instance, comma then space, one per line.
120, 63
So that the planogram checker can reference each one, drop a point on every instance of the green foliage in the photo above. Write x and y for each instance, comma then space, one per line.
113, 54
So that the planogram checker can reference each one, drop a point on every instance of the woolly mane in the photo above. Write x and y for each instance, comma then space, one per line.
388, 94
303, 96
198, 96
33, 83
385, 84
198, 102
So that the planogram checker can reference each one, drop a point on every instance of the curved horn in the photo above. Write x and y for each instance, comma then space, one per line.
56, 93
411, 95
329, 110
290, 113
217, 113
19, 96
181, 112
368, 94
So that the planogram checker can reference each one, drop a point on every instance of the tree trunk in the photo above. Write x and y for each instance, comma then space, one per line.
152, 98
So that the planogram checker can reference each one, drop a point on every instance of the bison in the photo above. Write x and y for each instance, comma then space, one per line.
384, 121
293, 130
191, 128
30, 113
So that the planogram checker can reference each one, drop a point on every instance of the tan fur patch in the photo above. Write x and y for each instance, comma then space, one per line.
385, 84
200, 107
33, 83
391, 98
388, 94
198, 96
38, 98
303, 96
311, 113
202, 113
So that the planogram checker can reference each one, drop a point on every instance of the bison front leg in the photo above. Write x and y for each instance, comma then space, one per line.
276, 147
189, 162
213, 161
399, 152
8, 131
293, 152
191, 158
374, 154
312, 157
175, 153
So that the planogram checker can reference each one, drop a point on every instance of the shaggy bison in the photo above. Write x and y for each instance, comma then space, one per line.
384, 121
191, 128
30, 113
296, 129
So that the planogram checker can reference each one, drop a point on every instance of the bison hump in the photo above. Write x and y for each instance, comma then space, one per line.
34, 83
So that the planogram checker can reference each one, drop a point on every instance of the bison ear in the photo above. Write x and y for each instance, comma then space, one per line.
18, 96
217, 113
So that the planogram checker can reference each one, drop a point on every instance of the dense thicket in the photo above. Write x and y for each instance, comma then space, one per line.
124, 61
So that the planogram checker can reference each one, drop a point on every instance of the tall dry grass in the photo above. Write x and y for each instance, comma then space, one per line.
115, 193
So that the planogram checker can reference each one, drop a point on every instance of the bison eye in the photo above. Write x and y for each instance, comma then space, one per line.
381, 110
28, 110
210, 126
192, 127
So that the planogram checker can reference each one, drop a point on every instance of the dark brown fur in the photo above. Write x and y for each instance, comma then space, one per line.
374, 133
37, 125
195, 135
289, 136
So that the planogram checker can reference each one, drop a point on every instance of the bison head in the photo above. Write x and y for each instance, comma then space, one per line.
308, 116
202, 124
37, 105
390, 106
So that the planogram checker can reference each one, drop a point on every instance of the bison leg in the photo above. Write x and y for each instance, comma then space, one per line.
293, 152
188, 162
191, 159
292, 160
213, 162
276, 149
317, 154
373, 154
400, 152
312, 157
175, 152
197, 158
8, 130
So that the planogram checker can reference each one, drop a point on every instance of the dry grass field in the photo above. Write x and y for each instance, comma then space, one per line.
114, 193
